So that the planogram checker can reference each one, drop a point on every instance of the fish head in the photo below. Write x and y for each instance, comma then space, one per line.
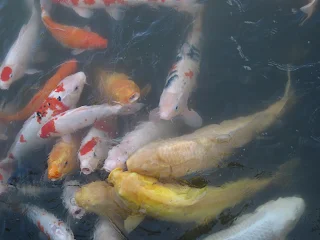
8, 74
87, 155
75, 210
70, 89
60, 231
116, 159
171, 105
126, 92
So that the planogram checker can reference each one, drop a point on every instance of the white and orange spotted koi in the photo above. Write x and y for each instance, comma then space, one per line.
116, 8
182, 80
64, 97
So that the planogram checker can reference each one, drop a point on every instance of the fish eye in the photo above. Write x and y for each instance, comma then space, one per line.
73, 201
59, 98
65, 164
176, 108
11, 75
94, 154
76, 88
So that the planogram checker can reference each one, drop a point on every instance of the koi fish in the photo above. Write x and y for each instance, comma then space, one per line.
105, 227
309, 9
63, 158
64, 97
95, 146
184, 204
116, 8
206, 147
143, 134
65, 70
73, 37
270, 221
47, 223
182, 80
19, 56
69, 190
78, 118
117, 87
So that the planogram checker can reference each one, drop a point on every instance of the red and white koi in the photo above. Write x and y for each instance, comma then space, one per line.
64, 97
78, 118
19, 56
116, 8
47, 223
143, 134
95, 146
105, 227
68, 200
182, 80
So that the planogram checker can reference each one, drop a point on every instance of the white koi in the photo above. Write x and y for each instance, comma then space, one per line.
47, 223
182, 80
309, 9
105, 229
78, 118
69, 190
19, 56
143, 134
271, 221
95, 146
64, 97
116, 8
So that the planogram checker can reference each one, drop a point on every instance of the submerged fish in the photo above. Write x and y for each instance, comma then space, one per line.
181, 80
117, 87
309, 9
78, 118
64, 97
271, 221
63, 158
105, 228
95, 146
67, 68
18, 58
178, 203
206, 147
47, 223
70, 187
116, 8
73, 37
143, 134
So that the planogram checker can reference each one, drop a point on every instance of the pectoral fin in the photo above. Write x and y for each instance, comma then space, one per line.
77, 51
154, 115
116, 13
83, 12
32, 71
192, 118
132, 222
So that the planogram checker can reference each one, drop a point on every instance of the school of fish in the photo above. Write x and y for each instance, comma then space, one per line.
124, 177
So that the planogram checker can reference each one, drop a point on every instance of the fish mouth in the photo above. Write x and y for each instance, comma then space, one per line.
134, 97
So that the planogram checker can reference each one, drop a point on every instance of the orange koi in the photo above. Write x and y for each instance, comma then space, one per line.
66, 69
73, 37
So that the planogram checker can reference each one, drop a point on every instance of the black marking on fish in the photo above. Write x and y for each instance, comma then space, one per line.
194, 53
172, 72
178, 58
170, 79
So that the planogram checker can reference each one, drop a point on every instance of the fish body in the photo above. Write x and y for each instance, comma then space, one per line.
78, 118
309, 9
117, 87
116, 8
68, 198
271, 221
105, 227
95, 146
66, 69
143, 134
18, 58
181, 80
73, 37
63, 158
179, 203
206, 147
47, 223
64, 97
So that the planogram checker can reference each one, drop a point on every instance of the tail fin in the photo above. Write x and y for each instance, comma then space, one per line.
283, 176
309, 10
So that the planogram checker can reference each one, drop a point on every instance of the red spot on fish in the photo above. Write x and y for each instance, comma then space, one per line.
11, 156
189, 74
75, 2
89, 2
52, 104
6, 74
22, 139
60, 88
47, 129
41, 228
89, 146
109, 2
1, 177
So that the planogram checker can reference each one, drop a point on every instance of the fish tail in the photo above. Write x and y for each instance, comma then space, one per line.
283, 176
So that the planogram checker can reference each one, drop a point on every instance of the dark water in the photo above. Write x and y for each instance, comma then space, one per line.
248, 47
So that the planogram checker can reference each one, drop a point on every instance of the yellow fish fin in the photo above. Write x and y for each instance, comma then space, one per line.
146, 90
132, 222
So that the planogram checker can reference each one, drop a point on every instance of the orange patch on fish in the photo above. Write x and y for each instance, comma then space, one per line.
41, 228
189, 74
6, 74
75, 2
48, 128
89, 2
89, 146
22, 139
52, 104
60, 88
